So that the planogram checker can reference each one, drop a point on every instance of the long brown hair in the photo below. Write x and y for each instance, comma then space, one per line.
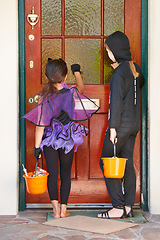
133, 69
56, 71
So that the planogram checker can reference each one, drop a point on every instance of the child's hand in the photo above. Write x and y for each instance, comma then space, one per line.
75, 68
113, 135
37, 153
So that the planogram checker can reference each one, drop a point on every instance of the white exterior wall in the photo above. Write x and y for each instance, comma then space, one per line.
8, 107
154, 107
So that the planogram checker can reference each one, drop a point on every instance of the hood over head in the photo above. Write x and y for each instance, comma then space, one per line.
118, 43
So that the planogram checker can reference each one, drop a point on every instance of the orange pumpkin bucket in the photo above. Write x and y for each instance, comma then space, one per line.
114, 167
36, 184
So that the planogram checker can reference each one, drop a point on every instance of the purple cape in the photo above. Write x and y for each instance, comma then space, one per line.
57, 113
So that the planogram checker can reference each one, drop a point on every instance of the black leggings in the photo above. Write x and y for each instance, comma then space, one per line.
51, 157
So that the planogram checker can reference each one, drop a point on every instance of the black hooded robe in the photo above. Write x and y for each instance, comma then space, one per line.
124, 116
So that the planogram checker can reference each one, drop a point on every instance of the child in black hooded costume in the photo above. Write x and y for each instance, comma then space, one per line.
124, 123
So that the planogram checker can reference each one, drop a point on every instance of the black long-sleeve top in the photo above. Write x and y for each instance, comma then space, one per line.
124, 106
123, 110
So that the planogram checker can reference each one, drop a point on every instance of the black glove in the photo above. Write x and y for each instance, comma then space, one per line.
37, 152
75, 68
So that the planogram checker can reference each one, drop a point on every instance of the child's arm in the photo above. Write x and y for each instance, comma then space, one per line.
38, 138
79, 81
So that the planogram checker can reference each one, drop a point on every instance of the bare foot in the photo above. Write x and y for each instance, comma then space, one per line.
55, 215
64, 212
56, 209
113, 213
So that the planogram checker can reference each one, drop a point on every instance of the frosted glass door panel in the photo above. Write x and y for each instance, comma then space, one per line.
77, 34
51, 17
85, 52
51, 48
82, 17
113, 16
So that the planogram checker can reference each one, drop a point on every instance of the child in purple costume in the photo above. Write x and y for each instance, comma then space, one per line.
56, 132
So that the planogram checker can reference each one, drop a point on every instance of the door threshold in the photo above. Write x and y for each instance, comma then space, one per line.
80, 206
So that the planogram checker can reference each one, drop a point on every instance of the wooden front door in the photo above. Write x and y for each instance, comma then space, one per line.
75, 31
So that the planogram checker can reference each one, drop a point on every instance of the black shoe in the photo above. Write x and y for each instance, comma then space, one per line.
130, 214
105, 214
124, 213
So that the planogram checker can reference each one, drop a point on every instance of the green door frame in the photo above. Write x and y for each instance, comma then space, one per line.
22, 149
144, 132
144, 108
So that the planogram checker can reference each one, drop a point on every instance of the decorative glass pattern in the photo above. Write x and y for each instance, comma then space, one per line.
113, 16
51, 17
51, 48
82, 17
85, 52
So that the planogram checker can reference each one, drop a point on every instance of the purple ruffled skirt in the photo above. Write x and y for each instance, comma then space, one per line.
64, 136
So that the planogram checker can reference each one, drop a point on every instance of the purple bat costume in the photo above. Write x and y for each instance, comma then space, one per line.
58, 113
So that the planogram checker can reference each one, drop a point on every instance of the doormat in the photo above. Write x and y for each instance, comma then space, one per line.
138, 216
90, 224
